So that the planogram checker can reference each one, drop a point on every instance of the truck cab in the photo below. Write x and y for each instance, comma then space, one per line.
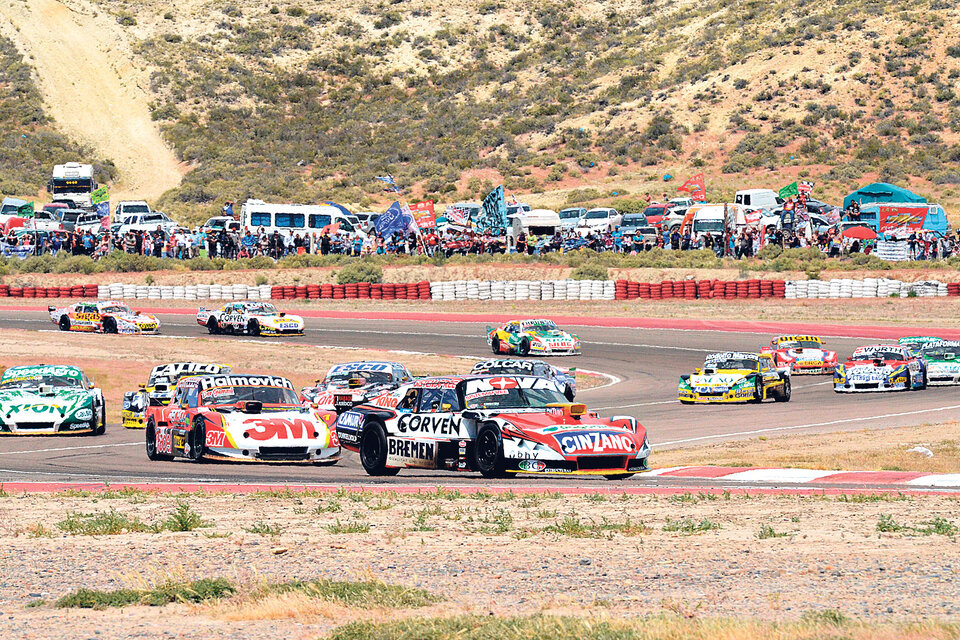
72, 183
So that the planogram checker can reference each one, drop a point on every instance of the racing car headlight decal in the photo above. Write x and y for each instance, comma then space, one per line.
685, 384
83, 414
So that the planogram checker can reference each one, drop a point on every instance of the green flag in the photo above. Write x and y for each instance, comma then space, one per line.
789, 190
25, 210
100, 195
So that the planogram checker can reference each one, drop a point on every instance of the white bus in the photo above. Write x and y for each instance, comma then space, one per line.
73, 182
293, 218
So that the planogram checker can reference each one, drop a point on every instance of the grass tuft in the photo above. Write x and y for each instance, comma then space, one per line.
351, 526
197, 591
689, 527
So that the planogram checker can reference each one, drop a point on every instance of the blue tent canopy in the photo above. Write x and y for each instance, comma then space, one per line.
881, 192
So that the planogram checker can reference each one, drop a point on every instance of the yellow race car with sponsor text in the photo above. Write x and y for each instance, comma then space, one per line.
734, 376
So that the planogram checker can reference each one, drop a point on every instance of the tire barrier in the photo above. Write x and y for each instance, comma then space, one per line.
870, 288
497, 290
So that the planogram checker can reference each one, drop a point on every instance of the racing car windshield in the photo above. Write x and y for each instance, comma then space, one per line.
30, 383
263, 309
877, 353
235, 394
540, 325
799, 343
515, 398
941, 351
503, 369
368, 377
116, 308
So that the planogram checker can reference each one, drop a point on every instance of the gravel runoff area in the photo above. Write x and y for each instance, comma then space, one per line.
768, 557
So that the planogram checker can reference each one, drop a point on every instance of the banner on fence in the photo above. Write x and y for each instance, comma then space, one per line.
19, 251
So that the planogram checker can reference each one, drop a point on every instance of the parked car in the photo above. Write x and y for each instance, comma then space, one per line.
571, 216
219, 223
599, 220
79, 220
631, 222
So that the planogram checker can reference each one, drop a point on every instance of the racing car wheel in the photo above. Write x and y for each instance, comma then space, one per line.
757, 390
213, 326
784, 395
373, 450
64, 323
109, 325
198, 438
488, 453
495, 345
102, 427
253, 328
151, 442
524, 348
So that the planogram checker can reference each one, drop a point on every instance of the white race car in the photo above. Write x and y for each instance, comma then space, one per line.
881, 367
351, 383
250, 318
103, 316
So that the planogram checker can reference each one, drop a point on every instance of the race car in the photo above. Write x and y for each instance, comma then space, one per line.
49, 399
916, 343
103, 316
801, 354
943, 362
496, 425
566, 379
240, 417
881, 367
159, 389
523, 337
250, 318
733, 376
352, 383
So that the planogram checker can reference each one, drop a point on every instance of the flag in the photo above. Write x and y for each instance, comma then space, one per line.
493, 215
806, 186
103, 210
100, 194
423, 214
331, 228
695, 187
789, 191
25, 210
342, 208
391, 184
456, 215
394, 220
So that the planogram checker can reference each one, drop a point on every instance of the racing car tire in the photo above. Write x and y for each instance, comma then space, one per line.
198, 439
64, 323
109, 325
757, 390
488, 453
373, 450
151, 443
923, 383
102, 427
618, 476
568, 393
253, 328
524, 348
495, 345
784, 395
213, 326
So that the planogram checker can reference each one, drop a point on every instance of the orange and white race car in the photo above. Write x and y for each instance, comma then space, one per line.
240, 417
103, 316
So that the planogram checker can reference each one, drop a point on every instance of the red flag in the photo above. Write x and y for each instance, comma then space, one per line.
695, 187
330, 228
423, 213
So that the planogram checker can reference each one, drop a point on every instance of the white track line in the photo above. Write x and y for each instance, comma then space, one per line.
87, 446
805, 426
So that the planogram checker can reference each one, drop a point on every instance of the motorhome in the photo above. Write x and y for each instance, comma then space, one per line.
537, 222
72, 183
295, 218
766, 199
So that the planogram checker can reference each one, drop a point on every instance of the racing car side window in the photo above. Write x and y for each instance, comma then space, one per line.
450, 401
193, 397
540, 370
431, 401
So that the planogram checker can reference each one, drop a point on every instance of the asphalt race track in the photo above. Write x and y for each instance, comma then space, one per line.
646, 363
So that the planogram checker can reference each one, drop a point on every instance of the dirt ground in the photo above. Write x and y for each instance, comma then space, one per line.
770, 557
868, 449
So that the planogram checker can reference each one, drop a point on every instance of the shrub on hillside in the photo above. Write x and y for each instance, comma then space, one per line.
590, 271
360, 272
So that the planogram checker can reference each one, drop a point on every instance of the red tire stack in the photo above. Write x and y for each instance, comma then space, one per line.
633, 290
338, 292
276, 293
953, 289
690, 289
16, 292
779, 288
300, 291
29, 292
753, 288
424, 290
4, 291
351, 291
643, 290
620, 290
705, 288
326, 291
67, 292
656, 290
389, 291
42, 292
313, 291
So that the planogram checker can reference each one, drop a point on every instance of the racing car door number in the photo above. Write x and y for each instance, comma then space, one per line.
164, 441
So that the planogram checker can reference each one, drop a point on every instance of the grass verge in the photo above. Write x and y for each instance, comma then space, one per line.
196, 591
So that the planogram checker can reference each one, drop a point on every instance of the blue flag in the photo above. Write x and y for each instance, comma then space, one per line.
392, 221
228, 209
103, 210
493, 216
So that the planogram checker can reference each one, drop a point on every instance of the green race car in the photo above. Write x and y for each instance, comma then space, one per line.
943, 362
50, 399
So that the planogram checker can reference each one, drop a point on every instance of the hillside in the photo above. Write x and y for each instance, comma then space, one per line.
567, 102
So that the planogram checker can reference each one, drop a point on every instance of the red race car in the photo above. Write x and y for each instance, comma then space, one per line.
240, 417
802, 355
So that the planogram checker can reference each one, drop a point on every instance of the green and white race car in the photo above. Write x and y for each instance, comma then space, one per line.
943, 362
50, 399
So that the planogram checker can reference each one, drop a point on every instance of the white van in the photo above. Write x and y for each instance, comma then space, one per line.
710, 218
766, 199
599, 220
537, 222
294, 218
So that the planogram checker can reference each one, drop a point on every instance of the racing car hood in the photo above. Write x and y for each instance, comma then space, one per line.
807, 354
277, 319
550, 336
721, 378
570, 436
870, 369
18, 405
288, 427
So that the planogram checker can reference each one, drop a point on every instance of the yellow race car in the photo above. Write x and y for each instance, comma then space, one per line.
735, 377
159, 389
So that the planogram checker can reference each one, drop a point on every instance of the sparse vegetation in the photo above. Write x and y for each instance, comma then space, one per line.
350, 526
689, 527
196, 591
264, 528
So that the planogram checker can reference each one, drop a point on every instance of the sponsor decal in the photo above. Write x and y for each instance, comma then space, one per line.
520, 366
244, 381
434, 425
436, 384
411, 453
350, 420
360, 366
713, 358
30, 372
594, 442
261, 429
532, 465
388, 400
216, 439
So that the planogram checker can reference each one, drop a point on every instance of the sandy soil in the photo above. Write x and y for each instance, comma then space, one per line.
94, 90
594, 556
869, 449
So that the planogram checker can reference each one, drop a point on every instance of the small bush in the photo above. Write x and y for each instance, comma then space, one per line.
590, 271
360, 272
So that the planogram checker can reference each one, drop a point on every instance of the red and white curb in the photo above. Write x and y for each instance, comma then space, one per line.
804, 476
